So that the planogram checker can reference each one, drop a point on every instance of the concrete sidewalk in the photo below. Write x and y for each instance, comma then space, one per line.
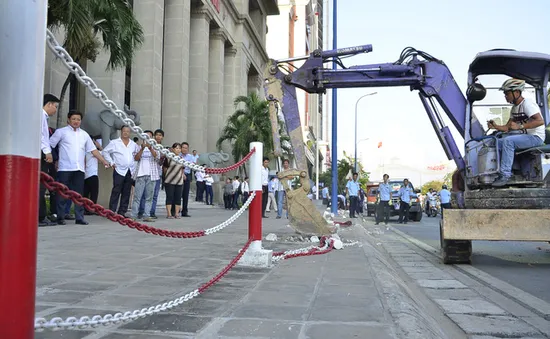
107, 268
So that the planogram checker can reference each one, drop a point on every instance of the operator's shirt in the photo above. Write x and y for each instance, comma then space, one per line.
385, 192
523, 111
265, 176
445, 196
405, 193
353, 188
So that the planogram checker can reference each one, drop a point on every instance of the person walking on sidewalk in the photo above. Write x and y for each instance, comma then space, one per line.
146, 176
352, 189
384, 197
271, 203
405, 194
265, 182
173, 183
228, 194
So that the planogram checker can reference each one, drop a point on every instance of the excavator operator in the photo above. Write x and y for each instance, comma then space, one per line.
524, 129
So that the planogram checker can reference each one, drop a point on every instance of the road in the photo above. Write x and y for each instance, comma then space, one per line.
525, 265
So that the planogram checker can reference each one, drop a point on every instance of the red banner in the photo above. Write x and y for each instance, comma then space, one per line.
436, 168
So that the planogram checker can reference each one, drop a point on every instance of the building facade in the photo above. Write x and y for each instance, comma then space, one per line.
198, 55
298, 31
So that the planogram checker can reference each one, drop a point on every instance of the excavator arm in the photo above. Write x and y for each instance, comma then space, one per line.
419, 70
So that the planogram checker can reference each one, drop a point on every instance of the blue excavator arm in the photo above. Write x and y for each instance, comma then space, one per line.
419, 70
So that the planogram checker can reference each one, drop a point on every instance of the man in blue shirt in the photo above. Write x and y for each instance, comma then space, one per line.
187, 180
405, 194
352, 189
384, 197
444, 198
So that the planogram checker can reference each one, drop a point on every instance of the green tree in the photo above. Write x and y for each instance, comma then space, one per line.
250, 123
93, 25
435, 184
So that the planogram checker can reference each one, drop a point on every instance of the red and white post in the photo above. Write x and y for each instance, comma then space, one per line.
22, 55
256, 255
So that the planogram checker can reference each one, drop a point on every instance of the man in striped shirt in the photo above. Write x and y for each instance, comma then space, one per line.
146, 177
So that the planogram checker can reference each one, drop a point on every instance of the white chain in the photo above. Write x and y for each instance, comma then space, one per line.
233, 218
70, 323
75, 68
307, 249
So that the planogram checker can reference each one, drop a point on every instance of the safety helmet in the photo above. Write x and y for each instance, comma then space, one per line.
513, 85
444, 187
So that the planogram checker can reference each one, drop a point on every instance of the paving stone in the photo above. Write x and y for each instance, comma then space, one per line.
344, 300
112, 276
416, 264
203, 307
269, 311
85, 286
276, 298
421, 269
348, 331
169, 322
272, 286
430, 275
451, 293
440, 283
66, 334
40, 308
218, 293
261, 328
370, 312
63, 297
470, 306
498, 326
137, 336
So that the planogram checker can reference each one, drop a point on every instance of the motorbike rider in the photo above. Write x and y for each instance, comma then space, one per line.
429, 196
525, 120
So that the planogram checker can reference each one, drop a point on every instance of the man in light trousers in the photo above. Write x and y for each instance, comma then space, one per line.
146, 177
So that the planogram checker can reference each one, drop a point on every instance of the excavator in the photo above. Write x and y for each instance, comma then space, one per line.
519, 211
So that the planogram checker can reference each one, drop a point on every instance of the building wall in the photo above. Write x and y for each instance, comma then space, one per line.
297, 32
198, 55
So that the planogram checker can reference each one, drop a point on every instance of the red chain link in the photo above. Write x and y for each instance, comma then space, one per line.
232, 167
64, 191
343, 223
226, 269
313, 251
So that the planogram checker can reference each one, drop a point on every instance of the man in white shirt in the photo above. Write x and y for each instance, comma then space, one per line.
208, 181
120, 154
236, 183
265, 181
91, 178
49, 108
199, 196
73, 144
245, 190
146, 175
525, 121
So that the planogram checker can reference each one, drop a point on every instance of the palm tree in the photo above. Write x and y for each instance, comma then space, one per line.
250, 123
85, 22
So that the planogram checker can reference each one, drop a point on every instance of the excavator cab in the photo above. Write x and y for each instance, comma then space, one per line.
531, 166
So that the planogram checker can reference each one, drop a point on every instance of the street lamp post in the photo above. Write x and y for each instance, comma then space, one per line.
356, 103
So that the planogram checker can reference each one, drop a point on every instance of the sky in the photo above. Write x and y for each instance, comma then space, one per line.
453, 31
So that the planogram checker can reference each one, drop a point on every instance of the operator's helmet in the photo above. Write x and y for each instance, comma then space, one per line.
513, 85
444, 187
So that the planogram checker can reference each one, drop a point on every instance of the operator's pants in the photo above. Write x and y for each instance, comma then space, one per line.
352, 205
508, 144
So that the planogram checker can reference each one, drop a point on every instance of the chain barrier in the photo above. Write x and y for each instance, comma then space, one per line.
324, 247
64, 191
89, 83
41, 324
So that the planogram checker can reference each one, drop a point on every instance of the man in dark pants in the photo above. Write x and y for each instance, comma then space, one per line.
384, 196
120, 153
352, 189
405, 194
265, 182
188, 178
73, 143
49, 108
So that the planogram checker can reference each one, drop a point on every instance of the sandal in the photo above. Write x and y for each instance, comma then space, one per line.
177, 216
169, 217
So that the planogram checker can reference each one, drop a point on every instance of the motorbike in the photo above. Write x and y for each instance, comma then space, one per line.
433, 207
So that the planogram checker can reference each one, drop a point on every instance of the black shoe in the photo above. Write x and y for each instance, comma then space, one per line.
399, 222
278, 217
61, 222
152, 216
45, 223
140, 216
376, 223
69, 217
186, 215
81, 222
263, 216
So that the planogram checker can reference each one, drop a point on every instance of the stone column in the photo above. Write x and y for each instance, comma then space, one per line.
198, 80
146, 91
215, 117
175, 79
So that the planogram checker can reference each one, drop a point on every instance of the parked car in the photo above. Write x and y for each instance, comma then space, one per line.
372, 191
415, 211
